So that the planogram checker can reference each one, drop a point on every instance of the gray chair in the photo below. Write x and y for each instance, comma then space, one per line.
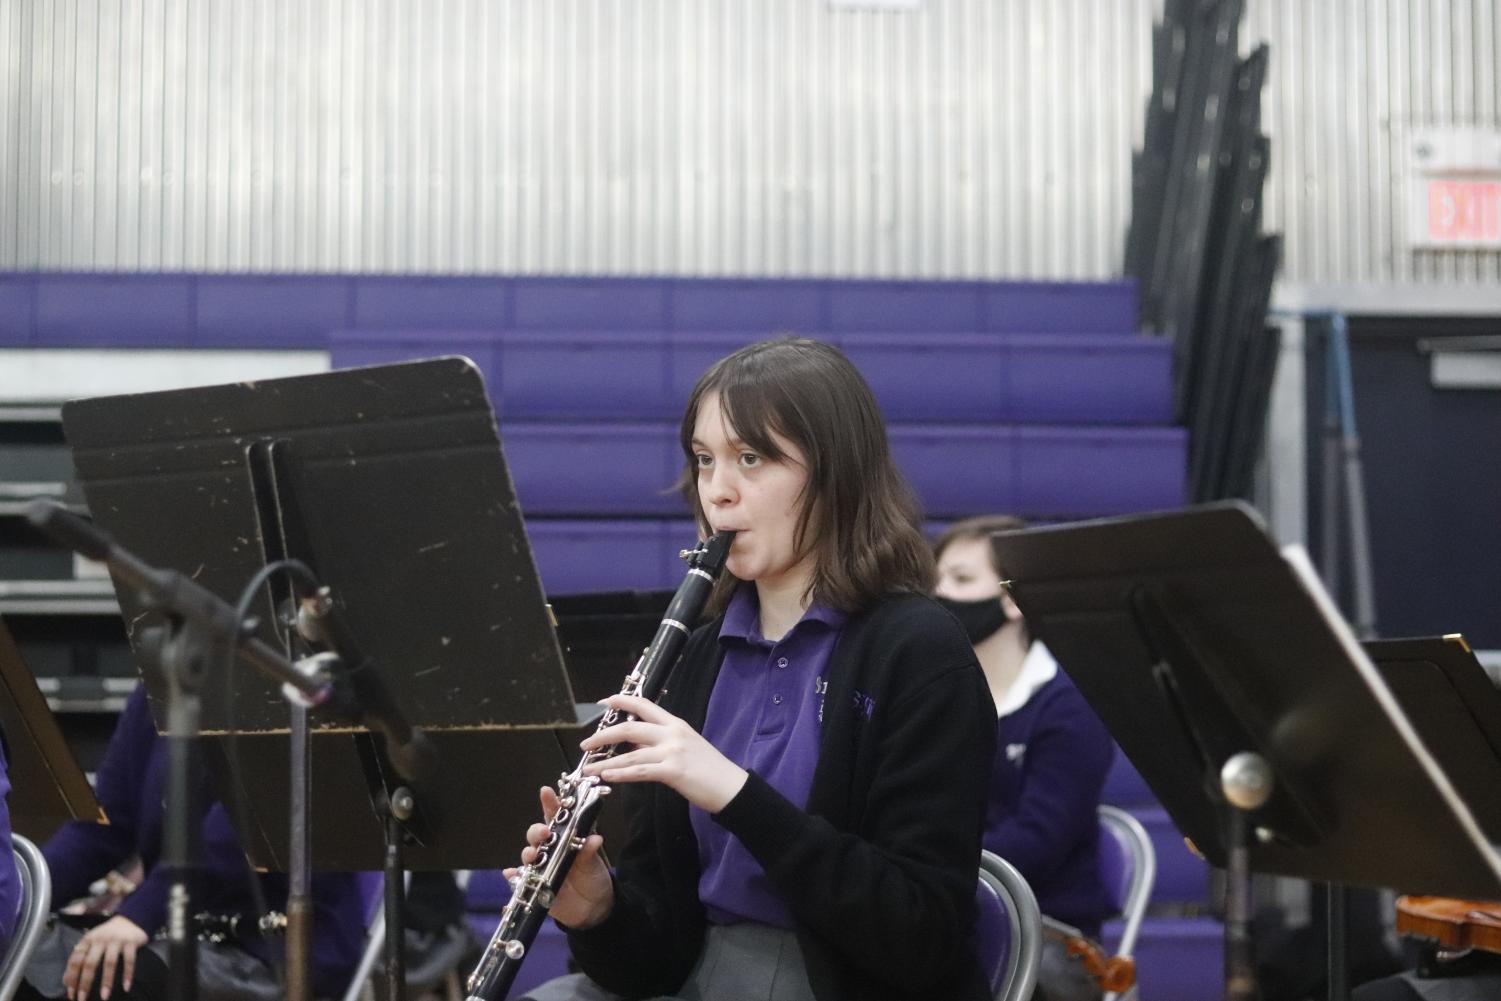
372, 890
31, 920
1010, 945
1128, 868
372, 886
1128, 864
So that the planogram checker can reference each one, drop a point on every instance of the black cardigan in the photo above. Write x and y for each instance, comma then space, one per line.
879, 871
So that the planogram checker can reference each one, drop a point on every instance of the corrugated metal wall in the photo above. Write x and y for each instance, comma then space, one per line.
962, 138
966, 137
1349, 79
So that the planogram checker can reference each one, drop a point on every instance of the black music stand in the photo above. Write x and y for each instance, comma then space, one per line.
48, 789
603, 632
389, 482
1456, 710
1197, 642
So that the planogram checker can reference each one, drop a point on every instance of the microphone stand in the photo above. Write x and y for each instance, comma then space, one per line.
183, 654
200, 624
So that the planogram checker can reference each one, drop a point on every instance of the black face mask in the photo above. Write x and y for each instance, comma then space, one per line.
980, 619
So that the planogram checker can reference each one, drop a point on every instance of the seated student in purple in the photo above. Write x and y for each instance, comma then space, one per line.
10, 880
1052, 753
808, 824
123, 957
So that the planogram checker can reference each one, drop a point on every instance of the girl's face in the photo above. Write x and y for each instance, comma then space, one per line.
966, 573
757, 498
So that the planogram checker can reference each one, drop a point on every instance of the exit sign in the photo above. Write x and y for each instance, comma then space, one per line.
1463, 213
1454, 188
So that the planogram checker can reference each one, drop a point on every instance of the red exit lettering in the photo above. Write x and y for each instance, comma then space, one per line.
1464, 211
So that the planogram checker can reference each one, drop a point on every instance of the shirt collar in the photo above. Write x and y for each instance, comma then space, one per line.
742, 617
1038, 668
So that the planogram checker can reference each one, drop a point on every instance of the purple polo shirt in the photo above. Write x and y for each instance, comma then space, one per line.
766, 715
10, 880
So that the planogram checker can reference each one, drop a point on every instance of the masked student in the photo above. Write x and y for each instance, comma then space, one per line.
1052, 754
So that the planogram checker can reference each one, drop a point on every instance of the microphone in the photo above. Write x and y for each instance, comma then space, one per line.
168, 589
359, 691
356, 694
69, 530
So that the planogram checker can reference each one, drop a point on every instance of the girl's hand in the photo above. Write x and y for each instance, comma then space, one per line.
588, 894
113, 942
666, 750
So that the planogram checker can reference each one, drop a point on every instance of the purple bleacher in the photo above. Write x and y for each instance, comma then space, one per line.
295, 311
350, 349
17, 310
690, 355
1182, 877
593, 469
575, 556
471, 303
1078, 472
1059, 307
616, 469
113, 310
591, 303
629, 375
1177, 959
942, 377
761, 306
271, 311
1089, 378
594, 375
957, 469
1124, 786
1038, 378
906, 307
1041, 471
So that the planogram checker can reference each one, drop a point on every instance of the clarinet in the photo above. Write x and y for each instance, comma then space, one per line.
580, 796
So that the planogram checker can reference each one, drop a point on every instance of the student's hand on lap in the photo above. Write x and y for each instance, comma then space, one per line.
100, 952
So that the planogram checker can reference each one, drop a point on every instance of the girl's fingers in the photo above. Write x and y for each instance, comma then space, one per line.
636, 734
107, 973
642, 709
129, 956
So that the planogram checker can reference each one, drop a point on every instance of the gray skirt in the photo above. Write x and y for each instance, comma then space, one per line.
743, 962
225, 972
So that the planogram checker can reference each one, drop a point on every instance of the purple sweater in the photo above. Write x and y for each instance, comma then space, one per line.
1051, 758
131, 788
10, 880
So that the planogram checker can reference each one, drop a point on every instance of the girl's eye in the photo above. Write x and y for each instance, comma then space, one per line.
749, 459
703, 461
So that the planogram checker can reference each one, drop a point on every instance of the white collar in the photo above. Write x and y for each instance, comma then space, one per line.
1038, 668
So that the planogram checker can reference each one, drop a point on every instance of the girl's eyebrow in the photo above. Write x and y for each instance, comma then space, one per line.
733, 443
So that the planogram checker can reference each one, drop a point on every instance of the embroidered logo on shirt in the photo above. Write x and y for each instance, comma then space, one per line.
1014, 752
821, 688
864, 704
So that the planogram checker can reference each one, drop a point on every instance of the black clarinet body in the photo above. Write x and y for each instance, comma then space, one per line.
580, 796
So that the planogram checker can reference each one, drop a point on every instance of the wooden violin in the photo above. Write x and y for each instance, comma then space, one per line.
1451, 925
1114, 974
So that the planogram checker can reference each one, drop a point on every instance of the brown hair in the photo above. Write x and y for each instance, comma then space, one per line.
866, 541
979, 527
